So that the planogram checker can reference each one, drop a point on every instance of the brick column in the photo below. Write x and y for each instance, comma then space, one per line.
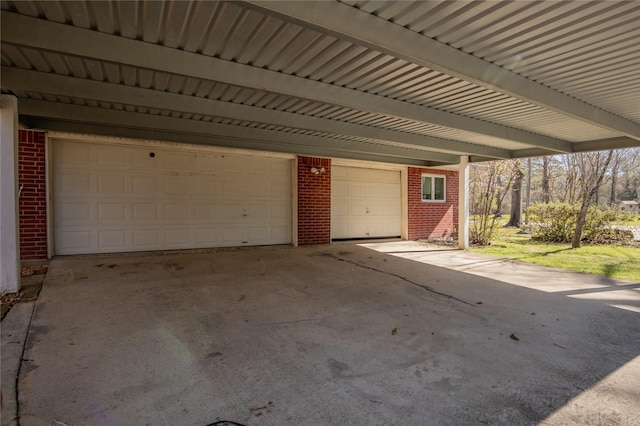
314, 201
33, 197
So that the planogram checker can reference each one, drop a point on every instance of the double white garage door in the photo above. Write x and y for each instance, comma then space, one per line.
117, 198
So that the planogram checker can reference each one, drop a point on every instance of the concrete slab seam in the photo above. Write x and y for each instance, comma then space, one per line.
17, 379
424, 287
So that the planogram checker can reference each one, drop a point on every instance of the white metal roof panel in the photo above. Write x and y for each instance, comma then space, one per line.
587, 50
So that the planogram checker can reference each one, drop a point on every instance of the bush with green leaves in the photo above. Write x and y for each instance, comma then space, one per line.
556, 222
553, 222
624, 216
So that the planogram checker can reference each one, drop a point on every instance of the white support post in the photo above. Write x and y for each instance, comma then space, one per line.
463, 202
9, 237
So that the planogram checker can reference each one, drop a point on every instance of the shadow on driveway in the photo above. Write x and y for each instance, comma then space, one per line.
327, 335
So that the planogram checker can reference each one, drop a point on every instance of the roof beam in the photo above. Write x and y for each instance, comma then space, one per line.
24, 80
586, 146
223, 134
82, 42
348, 23
161, 135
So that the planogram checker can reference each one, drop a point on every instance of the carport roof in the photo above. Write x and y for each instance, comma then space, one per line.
403, 82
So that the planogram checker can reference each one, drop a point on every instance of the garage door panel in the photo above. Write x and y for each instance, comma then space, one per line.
111, 184
145, 238
257, 233
357, 209
205, 164
179, 161
338, 211
257, 188
227, 212
365, 203
111, 213
119, 198
381, 227
231, 235
339, 173
145, 212
230, 188
384, 191
73, 184
176, 237
206, 235
144, 185
231, 165
377, 210
357, 173
203, 188
73, 212
143, 159
113, 239
340, 228
339, 189
72, 154
279, 214
358, 190
177, 186
111, 156
258, 212
256, 167
204, 211
75, 241
176, 212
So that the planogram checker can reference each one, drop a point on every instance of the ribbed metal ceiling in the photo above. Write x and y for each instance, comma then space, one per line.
586, 50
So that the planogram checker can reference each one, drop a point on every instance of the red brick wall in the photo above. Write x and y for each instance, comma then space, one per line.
432, 220
33, 198
314, 201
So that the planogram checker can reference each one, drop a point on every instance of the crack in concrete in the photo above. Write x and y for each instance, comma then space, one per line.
424, 287
22, 359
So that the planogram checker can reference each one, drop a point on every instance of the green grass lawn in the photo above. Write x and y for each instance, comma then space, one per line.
622, 262
634, 222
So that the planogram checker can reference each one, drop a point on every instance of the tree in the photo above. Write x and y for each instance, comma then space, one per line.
625, 175
571, 179
528, 200
629, 186
516, 194
487, 190
615, 167
592, 167
546, 193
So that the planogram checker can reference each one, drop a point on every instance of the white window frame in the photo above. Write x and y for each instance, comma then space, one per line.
433, 188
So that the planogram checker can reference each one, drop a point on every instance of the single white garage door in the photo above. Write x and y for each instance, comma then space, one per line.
365, 203
119, 198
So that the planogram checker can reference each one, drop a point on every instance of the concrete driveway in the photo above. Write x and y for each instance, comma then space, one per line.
371, 334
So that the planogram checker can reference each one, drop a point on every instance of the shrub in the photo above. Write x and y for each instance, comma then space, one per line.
597, 228
553, 222
623, 216
556, 222
482, 228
